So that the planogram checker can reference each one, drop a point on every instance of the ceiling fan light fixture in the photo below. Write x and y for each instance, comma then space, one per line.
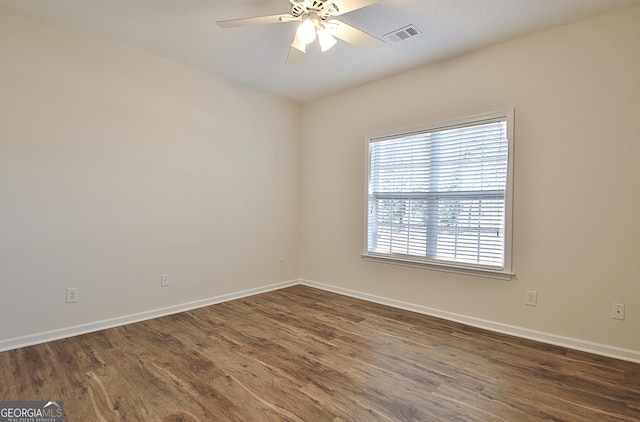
307, 31
326, 40
299, 44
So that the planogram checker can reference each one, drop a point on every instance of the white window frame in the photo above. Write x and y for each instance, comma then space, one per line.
415, 261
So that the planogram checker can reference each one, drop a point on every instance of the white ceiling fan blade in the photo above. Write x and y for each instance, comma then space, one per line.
346, 6
295, 56
296, 51
353, 35
260, 20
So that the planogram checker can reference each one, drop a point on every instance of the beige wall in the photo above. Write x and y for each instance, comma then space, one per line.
117, 166
576, 94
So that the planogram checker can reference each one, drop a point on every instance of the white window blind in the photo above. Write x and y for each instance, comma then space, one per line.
439, 195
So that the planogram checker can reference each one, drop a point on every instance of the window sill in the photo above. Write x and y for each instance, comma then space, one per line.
408, 262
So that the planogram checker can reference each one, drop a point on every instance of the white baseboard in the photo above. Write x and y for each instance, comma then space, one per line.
571, 343
568, 342
29, 340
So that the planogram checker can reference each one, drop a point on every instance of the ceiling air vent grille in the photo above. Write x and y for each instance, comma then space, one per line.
403, 33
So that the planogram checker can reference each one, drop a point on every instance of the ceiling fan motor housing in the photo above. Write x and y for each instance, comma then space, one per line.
320, 8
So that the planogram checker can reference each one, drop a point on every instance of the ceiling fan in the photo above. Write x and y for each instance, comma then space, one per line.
317, 22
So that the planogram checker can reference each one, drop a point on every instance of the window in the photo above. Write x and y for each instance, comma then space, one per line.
441, 196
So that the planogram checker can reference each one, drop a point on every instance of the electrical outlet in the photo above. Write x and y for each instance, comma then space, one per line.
531, 298
164, 280
281, 263
617, 311
72, 294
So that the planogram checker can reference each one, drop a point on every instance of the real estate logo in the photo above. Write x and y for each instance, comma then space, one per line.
31, 411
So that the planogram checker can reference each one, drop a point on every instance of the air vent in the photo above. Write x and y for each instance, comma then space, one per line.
403, 33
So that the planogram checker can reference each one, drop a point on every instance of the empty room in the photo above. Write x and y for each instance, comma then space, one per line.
340, 210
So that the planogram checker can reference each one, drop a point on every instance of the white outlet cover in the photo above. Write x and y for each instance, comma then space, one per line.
72, 294
617, 311
531, 298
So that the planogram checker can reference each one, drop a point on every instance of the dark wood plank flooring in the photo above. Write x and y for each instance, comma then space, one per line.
302, 354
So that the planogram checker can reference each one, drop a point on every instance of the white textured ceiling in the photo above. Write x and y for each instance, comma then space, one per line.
185, 31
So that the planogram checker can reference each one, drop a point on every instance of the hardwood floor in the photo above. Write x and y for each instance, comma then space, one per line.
302, 354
